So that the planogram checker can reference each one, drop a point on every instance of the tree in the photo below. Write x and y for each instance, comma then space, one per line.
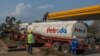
3, 30
10, 22
3, 26
96, 27
16, 26
10, 26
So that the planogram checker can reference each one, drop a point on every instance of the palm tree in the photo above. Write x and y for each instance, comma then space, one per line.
10, 26
9, 23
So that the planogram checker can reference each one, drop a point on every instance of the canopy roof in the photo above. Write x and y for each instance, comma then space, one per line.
87, 13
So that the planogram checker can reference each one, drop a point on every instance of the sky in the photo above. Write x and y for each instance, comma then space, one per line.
31, 10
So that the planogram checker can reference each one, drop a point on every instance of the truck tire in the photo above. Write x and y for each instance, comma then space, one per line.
56, 46
65, 48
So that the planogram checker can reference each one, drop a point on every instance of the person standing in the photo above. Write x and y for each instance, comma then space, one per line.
74, 45
30, 41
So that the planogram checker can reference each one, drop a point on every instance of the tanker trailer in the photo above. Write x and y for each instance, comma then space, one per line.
59, 34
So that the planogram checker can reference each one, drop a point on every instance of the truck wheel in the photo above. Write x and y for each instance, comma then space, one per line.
55, 46
65, 48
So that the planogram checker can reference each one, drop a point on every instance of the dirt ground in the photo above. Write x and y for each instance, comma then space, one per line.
37, 51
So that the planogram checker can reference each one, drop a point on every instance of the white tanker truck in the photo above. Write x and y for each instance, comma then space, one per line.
58, 35
59, 29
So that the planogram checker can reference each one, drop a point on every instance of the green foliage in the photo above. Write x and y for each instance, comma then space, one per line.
95, 28
10, 25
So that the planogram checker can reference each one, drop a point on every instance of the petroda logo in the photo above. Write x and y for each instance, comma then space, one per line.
79, 30
56, 30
